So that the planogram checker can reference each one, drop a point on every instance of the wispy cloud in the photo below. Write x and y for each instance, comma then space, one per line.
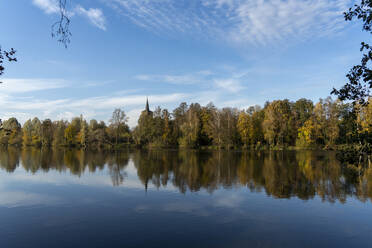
227, 81
182, 79
227, 86
257, 22
91, 107
105, 102
94, 15
23, 105
231, 84
22, 85
275, 20
48, 6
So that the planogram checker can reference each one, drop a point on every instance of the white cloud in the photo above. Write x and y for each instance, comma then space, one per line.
204, 78
67, 115
242, 21
266, 21
173, 79
101, 107
90, 107
24, 108
165, 15
115, 102
48, 6
22, 85
182, 79
257, 22
230, 84
133, 115
224, 87
95, 16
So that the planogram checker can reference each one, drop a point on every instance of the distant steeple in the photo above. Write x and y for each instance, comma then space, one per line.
147, 110
147, 105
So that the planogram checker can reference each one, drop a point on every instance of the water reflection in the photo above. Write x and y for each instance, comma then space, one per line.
304, 174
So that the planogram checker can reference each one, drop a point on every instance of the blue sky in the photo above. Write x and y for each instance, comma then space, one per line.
232, 52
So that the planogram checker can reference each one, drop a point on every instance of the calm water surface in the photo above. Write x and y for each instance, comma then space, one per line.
182, 199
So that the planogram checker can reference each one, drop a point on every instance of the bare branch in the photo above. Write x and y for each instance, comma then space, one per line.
61, 28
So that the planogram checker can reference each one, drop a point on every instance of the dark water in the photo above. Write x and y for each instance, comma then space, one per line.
182, 199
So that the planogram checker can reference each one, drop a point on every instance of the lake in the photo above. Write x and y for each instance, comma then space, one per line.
171, 198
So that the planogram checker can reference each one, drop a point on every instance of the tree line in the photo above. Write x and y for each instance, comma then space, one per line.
75, 133
279, 124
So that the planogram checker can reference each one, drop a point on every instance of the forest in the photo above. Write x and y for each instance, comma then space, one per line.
280, 124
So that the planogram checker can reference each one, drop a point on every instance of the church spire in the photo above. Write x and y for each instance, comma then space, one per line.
147, 110
147, 105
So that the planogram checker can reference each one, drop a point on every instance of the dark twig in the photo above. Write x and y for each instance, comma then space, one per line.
61, 28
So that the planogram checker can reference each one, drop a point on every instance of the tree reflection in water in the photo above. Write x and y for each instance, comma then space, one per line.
303, 174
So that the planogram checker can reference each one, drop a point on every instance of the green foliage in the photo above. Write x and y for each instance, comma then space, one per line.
191, 127
47, 131
359, 85
279, 123
118, 128
244, 128
11, 133
27, 133
70, 133
145, 131
59, 133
